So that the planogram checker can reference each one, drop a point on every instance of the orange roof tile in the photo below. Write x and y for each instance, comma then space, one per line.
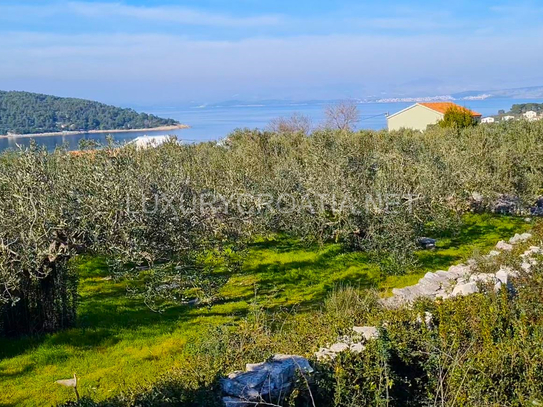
442, 107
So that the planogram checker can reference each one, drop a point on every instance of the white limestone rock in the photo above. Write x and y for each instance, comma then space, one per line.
459, 270
485, 278
357, 348
505, 274
518, 238
367, 332
498, 286
526, 266
502, 245
465, 289
339, 347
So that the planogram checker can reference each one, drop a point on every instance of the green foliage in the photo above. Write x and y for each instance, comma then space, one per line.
483, 349
526, 107
281, 280
24, 113
374, 191
457, 117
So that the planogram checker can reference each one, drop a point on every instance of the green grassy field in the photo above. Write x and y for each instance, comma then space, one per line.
119, 343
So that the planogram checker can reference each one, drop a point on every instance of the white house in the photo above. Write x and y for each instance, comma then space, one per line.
488, 120
149, 141
507, 118
530, 115
420, 115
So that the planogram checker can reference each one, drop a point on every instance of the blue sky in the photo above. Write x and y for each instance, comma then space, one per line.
163, 52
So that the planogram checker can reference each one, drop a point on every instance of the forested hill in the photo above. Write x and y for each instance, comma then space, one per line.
25, 113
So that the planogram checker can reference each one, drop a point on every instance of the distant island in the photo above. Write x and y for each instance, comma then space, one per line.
33, 114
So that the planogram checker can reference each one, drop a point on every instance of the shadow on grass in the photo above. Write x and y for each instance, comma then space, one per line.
170, 392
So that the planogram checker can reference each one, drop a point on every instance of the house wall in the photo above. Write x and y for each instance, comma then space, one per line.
416, 118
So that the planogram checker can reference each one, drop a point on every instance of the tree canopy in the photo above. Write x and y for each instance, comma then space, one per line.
25, 113
526, 107
457, 117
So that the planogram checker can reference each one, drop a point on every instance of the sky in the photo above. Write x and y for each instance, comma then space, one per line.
165, 52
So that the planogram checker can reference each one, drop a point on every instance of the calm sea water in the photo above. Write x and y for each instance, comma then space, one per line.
213, 123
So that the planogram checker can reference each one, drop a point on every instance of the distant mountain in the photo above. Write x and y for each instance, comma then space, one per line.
26, 113
532, 92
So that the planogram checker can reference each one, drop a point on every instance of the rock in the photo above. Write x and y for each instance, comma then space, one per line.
324, 354
494, 253
428, 320
526, 266
267, 380
472, 262
459, 270
483, 278
502, 245
531, 251
339, 347
367, 332
505, 274
357, 348
465, 289
527, 220
520, 238
427, 243
498, 286
506, 204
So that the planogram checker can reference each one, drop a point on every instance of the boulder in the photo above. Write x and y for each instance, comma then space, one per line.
525, 266
465, 289
498, 286
264, 381
357, 348
339, 347
518, 238
505, 274
367, 332
502, 245
485, 278
459, 270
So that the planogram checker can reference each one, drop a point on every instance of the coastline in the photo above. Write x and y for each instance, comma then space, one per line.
74, 133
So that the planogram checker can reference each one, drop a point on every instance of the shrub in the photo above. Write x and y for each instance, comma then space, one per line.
458, 117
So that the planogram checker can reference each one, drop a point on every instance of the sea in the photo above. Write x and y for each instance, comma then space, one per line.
214, 122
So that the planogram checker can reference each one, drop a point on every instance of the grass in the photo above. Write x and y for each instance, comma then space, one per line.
119, 343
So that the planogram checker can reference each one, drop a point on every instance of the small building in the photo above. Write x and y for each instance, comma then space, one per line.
488, 120
420, 115
507, 118
530, 115
149, 141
